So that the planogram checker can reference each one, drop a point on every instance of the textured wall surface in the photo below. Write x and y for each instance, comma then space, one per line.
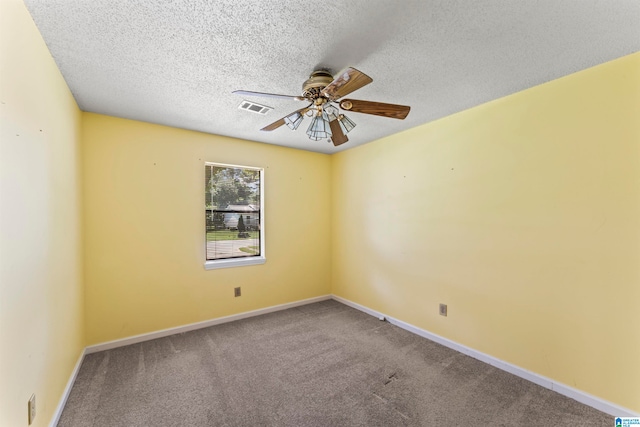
41, 295
523, 215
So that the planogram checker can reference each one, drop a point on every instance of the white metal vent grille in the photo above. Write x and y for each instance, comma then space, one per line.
254, 108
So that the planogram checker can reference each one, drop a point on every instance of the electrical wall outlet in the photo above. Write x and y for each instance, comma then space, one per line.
236, 292
32, 408
443, 310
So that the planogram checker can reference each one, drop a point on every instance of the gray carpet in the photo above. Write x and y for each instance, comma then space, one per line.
323, 364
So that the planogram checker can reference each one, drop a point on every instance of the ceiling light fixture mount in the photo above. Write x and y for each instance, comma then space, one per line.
323, 92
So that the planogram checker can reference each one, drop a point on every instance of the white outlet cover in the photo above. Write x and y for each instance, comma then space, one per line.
32, 408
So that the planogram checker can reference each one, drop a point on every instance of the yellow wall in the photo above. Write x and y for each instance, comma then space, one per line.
144, 228
523, 215
41, 308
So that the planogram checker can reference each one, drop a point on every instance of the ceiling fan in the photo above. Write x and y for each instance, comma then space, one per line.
324, 93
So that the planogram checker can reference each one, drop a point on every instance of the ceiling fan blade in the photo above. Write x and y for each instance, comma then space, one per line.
348, 81
267, 95
393, 111
337, 136
274, 125
280, 122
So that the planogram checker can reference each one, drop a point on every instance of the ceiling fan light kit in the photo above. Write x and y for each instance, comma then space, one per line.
323, 92
293, 120
319, 127
346, 123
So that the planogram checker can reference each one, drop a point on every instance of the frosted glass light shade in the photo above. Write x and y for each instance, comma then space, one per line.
293, 120
319, 127
332, 112
346, 123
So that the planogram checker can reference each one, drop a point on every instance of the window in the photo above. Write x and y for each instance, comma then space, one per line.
234, 232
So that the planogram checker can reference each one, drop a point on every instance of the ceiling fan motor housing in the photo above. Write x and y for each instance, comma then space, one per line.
317, 81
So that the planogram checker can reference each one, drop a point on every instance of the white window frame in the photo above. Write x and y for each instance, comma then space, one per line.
240, 261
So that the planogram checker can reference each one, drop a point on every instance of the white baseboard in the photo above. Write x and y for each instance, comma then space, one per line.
65, 394
565, 390
199, 325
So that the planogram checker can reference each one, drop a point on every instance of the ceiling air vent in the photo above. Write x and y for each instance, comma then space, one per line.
254, 108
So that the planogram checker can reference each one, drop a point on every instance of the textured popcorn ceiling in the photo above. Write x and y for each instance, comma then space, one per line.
177, 62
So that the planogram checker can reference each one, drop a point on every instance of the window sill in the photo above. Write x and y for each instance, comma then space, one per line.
236, 262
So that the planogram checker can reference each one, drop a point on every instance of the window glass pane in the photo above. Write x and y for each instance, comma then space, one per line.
232, 210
